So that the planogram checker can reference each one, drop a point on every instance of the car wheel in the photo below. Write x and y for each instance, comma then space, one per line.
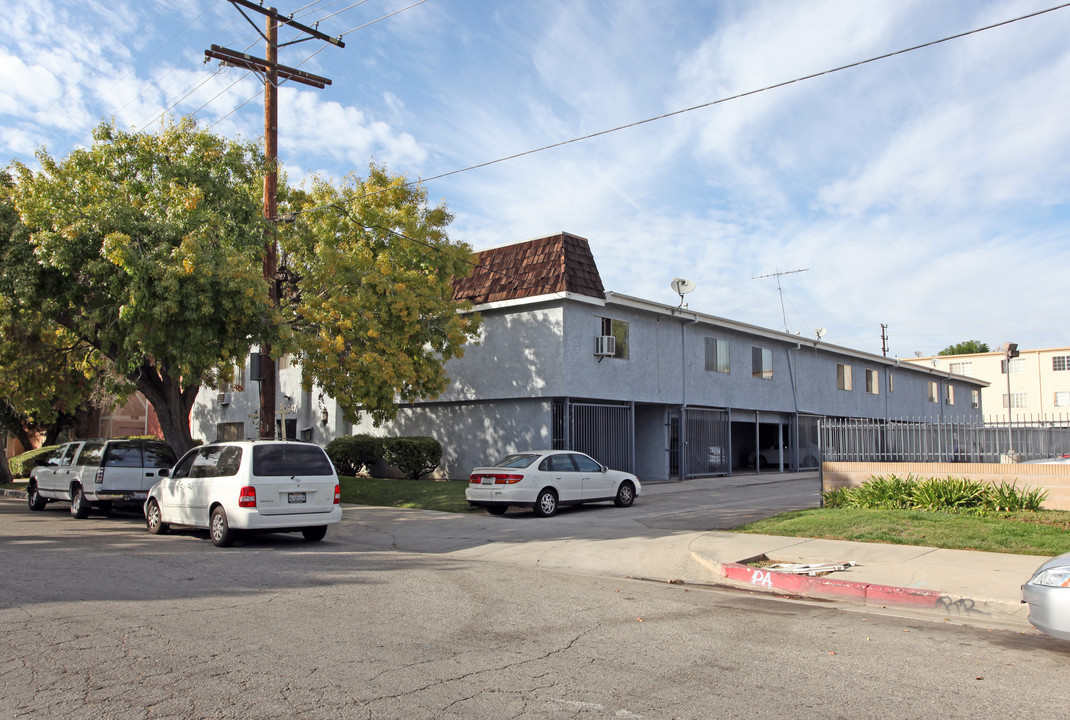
154, 519
219, 528
497, 509
625, 495
546, 503
315, 534
34, 499
810, 461
79, 505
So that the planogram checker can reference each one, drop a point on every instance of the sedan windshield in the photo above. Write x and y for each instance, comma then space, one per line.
516, 461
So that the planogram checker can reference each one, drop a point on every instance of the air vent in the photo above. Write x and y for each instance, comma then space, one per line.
223, 398
605, 346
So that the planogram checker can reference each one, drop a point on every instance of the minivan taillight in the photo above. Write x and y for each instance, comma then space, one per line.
337, 494
247, 498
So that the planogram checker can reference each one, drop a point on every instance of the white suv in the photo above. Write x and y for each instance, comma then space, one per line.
230, 487
99, 473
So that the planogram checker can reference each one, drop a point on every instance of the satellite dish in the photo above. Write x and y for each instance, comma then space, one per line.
821, 332
682, 287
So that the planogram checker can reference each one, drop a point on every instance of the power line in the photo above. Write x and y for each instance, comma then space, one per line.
748, 93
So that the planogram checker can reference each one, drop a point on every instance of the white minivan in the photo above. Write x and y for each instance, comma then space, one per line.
251, 485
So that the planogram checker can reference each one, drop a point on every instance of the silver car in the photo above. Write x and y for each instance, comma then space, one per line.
1048, 595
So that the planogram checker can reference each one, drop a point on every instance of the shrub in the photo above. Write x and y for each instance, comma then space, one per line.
352, 454
1008, 497
891, 493
948, 494
22, 465
936, 495
413, 456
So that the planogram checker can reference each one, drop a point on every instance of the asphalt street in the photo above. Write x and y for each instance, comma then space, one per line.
391, 618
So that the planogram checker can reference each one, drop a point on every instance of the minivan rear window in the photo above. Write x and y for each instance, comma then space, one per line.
275, 460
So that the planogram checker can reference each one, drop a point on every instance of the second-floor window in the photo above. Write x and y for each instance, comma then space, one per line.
1015, 400
949, 395
934, 391
843, 376
1017, 365
1060, 363
961, 368
717, 355
618, 329
873, 382
762, 363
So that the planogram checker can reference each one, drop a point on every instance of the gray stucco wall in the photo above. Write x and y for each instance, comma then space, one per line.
473, 434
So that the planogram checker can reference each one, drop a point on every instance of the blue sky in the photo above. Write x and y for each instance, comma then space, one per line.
928, 191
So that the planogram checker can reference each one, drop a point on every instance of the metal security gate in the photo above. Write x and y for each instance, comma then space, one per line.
605, 432
707, 443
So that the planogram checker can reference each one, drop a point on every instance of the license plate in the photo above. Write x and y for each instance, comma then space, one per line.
486, 480
293, 498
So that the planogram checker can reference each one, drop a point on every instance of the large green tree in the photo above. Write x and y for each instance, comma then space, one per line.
371, 308
966, 347
148, 249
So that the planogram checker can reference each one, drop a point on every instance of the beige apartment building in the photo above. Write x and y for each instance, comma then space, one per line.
1039, 381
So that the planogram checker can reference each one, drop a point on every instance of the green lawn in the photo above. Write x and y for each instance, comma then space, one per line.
1024, 533
447, 496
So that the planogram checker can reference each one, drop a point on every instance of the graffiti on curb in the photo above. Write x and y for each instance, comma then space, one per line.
762, 577
961, 606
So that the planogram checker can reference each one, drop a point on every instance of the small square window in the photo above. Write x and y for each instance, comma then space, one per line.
717, 355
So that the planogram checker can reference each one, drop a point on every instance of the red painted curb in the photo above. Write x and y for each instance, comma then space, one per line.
830, 589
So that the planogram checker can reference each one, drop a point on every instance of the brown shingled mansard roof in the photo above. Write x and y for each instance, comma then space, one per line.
560, 263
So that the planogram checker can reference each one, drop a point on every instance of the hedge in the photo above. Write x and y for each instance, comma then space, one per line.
413, 456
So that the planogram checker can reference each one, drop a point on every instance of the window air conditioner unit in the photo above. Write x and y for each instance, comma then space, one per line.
223, 398
605, 346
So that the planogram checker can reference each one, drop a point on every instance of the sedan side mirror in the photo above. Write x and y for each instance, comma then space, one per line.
165, 472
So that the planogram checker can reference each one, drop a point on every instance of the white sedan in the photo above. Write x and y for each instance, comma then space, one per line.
546, 479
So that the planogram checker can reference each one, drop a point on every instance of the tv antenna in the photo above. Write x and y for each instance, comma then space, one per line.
780, 290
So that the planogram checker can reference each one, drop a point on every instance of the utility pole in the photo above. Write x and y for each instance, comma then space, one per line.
269, 69
884, 339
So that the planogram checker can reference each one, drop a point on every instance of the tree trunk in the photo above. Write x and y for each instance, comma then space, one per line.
172, 404
5, 469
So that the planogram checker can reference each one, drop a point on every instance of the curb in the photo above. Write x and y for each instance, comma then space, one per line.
832, 589
18, 494
866, 594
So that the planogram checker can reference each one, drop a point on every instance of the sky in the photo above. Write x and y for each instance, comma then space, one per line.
928, 191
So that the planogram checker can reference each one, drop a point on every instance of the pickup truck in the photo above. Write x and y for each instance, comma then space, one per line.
99, 473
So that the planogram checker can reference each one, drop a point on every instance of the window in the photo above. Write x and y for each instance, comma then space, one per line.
1062, 399
1017, 400
229, 431
873, 382
290, 459
1017, 366
843, 376
761, 363
934, 391
891, 385
717, 355
975, 398
1060, 363
961, 368
618, 329
949, 394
